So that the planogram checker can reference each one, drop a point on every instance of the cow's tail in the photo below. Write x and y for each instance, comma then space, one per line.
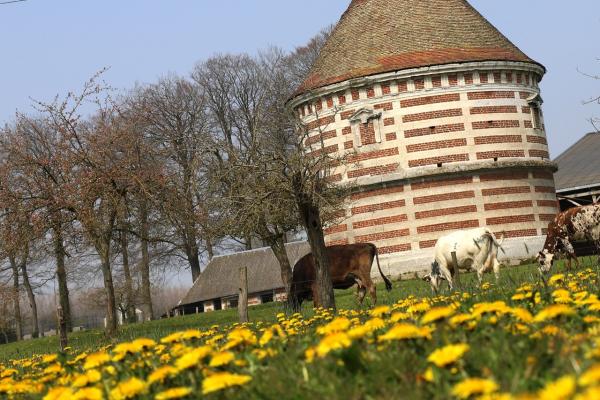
388, 283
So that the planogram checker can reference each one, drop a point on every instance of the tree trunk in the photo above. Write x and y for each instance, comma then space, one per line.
111, 304
278, 247
16, 298
210, 249
193, 258
129, 296
145, 266
32, 302
61, 276
311, 220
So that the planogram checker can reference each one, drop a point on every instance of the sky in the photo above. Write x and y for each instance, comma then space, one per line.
49, 47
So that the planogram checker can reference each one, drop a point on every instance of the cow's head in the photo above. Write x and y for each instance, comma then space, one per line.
434, 277
545, 260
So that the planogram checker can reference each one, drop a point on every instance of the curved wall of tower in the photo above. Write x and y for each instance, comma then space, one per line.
437, 149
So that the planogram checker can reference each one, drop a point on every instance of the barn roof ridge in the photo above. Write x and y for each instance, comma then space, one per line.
378, 36
579, 165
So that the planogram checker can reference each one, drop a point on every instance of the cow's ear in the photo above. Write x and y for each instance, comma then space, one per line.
541, 256
427, 278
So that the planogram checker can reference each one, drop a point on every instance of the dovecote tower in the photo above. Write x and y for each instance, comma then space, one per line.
444, 114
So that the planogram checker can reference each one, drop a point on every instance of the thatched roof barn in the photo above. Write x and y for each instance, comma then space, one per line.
217, 287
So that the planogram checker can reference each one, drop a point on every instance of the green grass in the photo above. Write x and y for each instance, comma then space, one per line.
518, 362
345, 299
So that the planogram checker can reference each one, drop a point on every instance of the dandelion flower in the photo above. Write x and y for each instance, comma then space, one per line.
95, 360
553, 311
436, 314
128, 389
192, 358
90, 393
334, 341
174, 393
162, 373
220, 359
448, 354
380, 311
473, 386
337, 325
560, 389
223, 380
406, 331
591, 376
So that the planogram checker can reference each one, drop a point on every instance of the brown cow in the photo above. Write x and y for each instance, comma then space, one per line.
348, 264
578, 223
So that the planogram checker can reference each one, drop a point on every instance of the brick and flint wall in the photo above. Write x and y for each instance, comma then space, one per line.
433, 153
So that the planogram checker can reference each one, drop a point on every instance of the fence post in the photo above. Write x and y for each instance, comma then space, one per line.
243, 298
456, 270
62, 329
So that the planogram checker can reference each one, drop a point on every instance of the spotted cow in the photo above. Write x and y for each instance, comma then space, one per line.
574, 224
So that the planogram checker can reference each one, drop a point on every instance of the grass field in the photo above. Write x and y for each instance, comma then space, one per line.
516, 338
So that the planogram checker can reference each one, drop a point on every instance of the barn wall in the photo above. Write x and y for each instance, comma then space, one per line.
433, 153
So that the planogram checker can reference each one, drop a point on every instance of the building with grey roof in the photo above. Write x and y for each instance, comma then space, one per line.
578, 176
218, 286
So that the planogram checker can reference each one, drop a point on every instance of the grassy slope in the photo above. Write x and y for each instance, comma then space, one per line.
510, 278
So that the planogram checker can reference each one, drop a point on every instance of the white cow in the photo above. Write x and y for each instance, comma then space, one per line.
476, 249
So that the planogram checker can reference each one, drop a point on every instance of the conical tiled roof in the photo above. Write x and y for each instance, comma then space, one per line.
376, 36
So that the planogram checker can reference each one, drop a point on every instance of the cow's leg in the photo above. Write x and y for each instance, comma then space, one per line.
361, 293
446, 274
496, 269
370, 286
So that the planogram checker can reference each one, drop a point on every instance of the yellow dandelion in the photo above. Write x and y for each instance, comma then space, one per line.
560, 389
90, 376
128, 389
522, 296
473, 386
191, 334
223, 380
428, 375
403, 331
522, 314
58, 392
380, 311
339, 324
591, 376
334, 341
497, 308
553, 311
192, 358
418, 307
460, 319
562, 296
222, 358
448, 354
555, 279
174, 393
90, 393
162, 373
48, 358
591, 393
266, 337
436, 314
95, 360
399, 316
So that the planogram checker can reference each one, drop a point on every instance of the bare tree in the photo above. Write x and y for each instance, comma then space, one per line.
270, 178
173, 117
